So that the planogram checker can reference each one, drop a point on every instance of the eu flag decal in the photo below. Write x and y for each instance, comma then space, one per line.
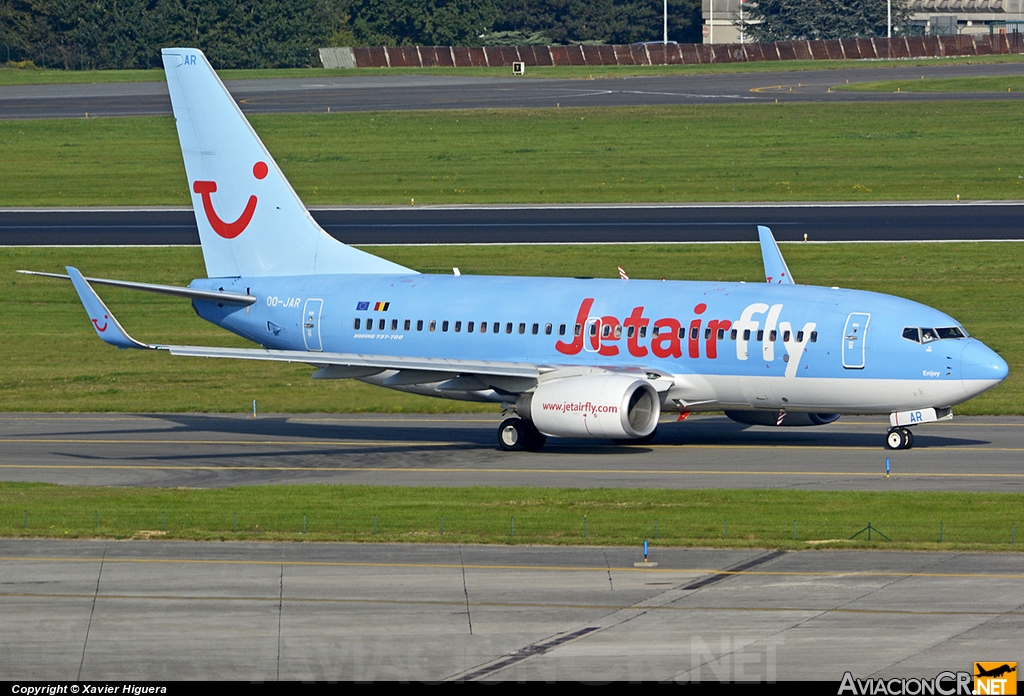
362, 306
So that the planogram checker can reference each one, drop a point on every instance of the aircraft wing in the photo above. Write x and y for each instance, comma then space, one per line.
453, 374
509, 376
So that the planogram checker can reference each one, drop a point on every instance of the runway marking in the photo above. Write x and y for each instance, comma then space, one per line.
500, 470
470, 566
513, 605
477, 470
466, 443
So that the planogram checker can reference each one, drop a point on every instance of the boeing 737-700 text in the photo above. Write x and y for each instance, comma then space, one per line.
580, 358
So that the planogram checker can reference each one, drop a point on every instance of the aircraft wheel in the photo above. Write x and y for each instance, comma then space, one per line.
533, 439
899, 438
510, 435
519, 434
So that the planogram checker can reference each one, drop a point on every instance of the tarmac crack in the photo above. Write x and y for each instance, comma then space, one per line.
92, 612
465, 591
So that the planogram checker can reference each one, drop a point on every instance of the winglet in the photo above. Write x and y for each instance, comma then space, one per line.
776, 272
107, 327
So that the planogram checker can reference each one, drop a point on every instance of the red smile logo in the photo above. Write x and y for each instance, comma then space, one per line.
96, 323
228, 230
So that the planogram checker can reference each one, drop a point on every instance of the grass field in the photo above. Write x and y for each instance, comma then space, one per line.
31, 76
518, 515
1006, 83
773, 152
52, 360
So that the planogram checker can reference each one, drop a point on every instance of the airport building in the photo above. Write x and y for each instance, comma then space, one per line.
929, 18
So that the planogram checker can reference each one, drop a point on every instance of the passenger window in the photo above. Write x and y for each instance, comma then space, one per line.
496, 328
643, 331
458, 326
355, 324
547, 329
419, 324
444, 326
814, 337
786, 336
654, 331
508, 328
561, 329
630, 331
593, 329
707, 333
733, 334
522, 328
577, 330
772, 335
408, 324
799, 336
535, 329
618, 331
394, 325
760, 334
433, 324
721, 334
606, 331
483, 327
380, 325
746, 334
469, 327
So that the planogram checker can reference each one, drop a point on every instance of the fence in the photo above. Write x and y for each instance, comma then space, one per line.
673, 54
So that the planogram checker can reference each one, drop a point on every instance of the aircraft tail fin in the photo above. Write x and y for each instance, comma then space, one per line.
776, 271
251, 222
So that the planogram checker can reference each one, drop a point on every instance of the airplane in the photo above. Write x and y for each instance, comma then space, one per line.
566, 357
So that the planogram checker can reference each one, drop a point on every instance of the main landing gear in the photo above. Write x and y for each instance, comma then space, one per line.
519, 434
899, 438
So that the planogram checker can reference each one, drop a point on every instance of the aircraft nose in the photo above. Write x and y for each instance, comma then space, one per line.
981, 366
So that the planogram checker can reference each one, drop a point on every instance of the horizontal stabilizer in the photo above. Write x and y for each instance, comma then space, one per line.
776, 272
225, 297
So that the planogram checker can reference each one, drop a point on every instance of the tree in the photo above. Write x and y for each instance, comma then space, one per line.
785, 20
600, 21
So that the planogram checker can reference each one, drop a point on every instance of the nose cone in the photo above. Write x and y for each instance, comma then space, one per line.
981, 368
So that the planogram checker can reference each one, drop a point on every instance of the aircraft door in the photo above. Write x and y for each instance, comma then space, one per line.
311, 324
854, 336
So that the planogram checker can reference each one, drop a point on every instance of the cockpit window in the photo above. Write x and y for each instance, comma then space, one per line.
928, 334
951, 332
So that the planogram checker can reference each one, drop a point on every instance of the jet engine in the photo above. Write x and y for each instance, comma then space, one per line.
608, 405
791, 419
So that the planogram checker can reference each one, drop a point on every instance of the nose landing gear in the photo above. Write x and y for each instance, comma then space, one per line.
899, 438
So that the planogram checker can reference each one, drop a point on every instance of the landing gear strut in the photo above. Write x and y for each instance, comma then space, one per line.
899, 438
519, 434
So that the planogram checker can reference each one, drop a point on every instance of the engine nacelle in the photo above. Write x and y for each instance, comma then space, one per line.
606, 405
791, 419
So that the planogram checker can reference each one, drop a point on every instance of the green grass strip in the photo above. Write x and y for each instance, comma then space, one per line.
37, 76
733, 518
1004, 83
763, 152
52, 360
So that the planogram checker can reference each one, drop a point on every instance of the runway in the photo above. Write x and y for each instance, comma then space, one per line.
109, 610
430, 91
967, 454
567, 224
